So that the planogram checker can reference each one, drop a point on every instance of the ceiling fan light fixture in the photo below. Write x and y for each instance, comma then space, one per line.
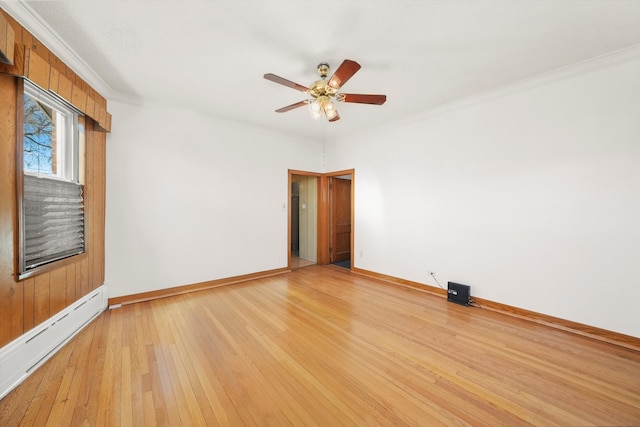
322, 105
330, 110
315, 109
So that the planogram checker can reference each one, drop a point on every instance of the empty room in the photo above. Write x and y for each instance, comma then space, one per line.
323, 213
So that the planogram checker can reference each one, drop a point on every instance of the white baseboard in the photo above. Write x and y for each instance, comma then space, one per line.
22, 356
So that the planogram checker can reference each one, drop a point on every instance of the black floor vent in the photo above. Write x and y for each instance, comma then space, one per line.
460, 294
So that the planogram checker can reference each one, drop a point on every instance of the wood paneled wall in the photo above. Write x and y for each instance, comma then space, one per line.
33, 60
25, 304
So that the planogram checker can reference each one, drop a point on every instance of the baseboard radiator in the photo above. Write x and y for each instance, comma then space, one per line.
22, 356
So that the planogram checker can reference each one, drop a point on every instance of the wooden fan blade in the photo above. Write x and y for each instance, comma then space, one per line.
344, 72
361, 98
288, 83
292, 106
335, 118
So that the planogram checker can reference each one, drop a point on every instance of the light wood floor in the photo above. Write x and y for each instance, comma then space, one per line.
297, 262
321, 346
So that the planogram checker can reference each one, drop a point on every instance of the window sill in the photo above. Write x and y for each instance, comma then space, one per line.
52, 266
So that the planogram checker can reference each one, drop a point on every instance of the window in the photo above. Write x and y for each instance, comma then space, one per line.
50, 136
52, 221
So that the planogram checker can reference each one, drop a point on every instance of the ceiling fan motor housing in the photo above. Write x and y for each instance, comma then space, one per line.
321, 88
323, 70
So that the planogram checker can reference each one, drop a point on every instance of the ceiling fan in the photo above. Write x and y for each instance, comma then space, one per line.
323, 92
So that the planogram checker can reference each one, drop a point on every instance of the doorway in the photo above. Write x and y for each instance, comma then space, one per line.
320, 229
303, 220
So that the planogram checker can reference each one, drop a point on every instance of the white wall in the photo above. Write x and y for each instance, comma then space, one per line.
531, 195
192, 199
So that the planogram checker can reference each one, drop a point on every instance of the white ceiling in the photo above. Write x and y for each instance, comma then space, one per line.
210, 56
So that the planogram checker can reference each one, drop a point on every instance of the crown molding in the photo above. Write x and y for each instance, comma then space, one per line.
611, 59
32, 22
587, 66
577, 69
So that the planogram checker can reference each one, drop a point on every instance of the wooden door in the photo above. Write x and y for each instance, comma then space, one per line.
340, 212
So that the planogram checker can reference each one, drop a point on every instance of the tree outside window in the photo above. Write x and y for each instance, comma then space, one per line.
39, 137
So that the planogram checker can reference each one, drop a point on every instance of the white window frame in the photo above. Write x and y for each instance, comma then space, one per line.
67, 154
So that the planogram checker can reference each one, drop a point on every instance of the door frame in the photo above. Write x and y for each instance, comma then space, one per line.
324, 213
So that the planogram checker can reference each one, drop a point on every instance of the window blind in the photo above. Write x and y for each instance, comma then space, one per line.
53, 220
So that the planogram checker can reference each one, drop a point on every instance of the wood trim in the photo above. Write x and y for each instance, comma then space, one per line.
7, 41
19, 178
342, 172
11, 293
17, 65
289, 219
64, 88
610, 337
353, 220
37, 69
322, 246
323, 221
30, 58
323, 234
303, 173
104, 124
401, 282
179, 290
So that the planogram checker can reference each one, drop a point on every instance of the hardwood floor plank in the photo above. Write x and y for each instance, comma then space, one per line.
127, 398
159, 404
57, 411
166, 381
90, 375
83, 357
44, 397
149, 414
109, 392
320, 346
